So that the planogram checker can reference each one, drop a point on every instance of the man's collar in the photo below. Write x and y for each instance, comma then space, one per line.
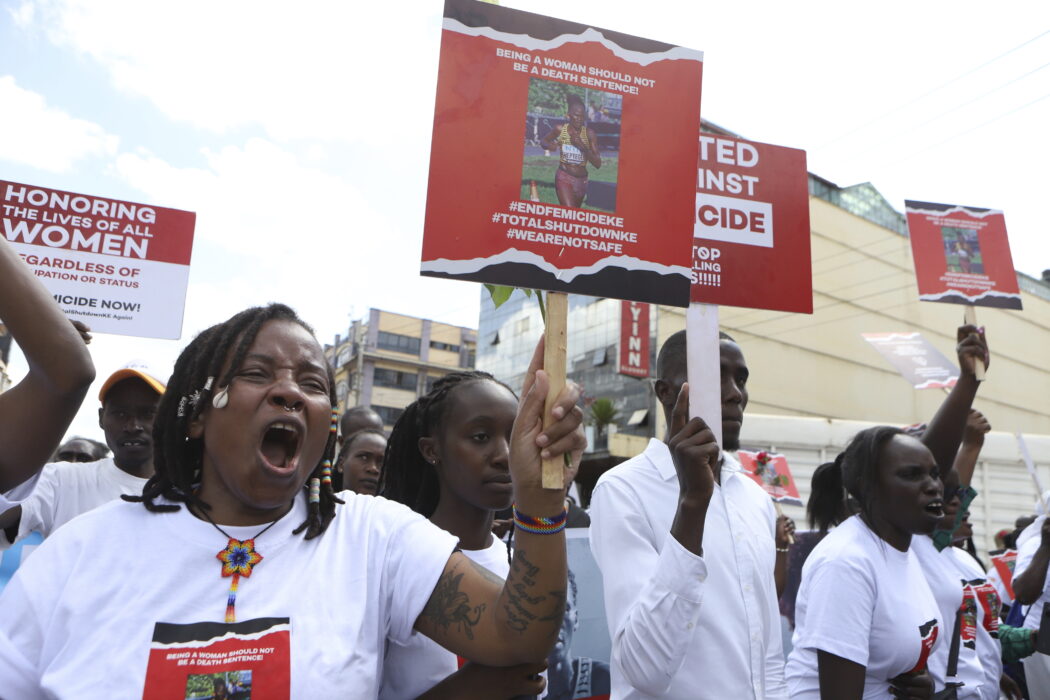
660, 455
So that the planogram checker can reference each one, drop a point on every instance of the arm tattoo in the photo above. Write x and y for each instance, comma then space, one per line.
486, 574
448, 606
522, 603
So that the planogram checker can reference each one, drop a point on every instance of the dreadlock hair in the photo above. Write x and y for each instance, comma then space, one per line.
198, 375
407, 477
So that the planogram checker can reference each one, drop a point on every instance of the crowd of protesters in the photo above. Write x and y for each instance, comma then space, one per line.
430, 562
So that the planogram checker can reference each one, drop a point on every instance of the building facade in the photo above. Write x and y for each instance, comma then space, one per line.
814, 380
388, 360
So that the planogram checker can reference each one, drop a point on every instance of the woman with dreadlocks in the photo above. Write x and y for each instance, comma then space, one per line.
448, 460
240, 517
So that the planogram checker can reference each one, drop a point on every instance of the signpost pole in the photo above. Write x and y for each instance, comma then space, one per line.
704, 366
554, 366
1026, 457
970, 317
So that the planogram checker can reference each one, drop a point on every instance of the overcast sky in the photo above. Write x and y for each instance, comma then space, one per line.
300, 132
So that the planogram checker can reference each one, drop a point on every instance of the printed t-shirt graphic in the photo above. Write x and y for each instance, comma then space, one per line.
184, 658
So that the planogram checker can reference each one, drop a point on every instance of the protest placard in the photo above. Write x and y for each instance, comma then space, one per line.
771, 472
922, 365
962, 255
1004, 565
751, 226
563, 157
120, 267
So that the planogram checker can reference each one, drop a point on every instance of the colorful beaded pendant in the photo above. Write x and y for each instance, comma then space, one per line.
237, 560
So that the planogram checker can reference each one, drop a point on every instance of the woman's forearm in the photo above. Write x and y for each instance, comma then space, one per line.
531, 606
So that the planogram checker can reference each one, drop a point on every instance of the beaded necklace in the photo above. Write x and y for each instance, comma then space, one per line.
238, 559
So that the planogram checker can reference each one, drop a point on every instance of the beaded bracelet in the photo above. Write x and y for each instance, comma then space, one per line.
541, 526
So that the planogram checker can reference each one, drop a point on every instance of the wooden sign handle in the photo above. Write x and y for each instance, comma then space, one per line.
970, 317
554, 366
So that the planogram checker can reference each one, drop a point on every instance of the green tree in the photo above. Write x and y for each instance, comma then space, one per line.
603, 414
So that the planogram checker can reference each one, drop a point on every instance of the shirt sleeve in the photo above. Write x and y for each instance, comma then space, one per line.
840, 599
417, 555
37, 500
775, 685
652, 597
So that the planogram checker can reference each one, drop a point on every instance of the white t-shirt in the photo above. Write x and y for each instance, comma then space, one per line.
956, 580
78, 619
417, 665
1025, 554
866, 602
65, 490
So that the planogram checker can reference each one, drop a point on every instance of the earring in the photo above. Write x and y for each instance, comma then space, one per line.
222, 398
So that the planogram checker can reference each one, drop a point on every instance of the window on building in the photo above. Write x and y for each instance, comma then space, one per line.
428, 383
601, 356
344, 357
341, 390
437, 345
395, 379
389, 414
398, 343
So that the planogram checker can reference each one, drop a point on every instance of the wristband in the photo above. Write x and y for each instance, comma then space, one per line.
541, 526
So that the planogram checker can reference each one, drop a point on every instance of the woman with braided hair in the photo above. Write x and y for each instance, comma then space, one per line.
448, 461
132, 597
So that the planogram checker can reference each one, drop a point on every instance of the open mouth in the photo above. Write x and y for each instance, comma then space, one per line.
935, 508
280, 444
134, 442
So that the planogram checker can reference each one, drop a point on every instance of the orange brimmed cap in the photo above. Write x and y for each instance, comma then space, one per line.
136, 369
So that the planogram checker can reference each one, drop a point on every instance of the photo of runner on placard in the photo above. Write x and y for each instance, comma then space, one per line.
231, 685
581, 128
962, 251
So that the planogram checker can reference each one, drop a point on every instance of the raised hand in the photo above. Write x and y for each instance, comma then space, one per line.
693, 450
785, 531
971, 348
530, 443
977, 426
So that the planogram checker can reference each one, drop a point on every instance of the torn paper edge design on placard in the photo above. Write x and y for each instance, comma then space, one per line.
589, 35
513, 255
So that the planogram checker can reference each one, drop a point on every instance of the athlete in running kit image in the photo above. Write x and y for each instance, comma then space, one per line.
577, 145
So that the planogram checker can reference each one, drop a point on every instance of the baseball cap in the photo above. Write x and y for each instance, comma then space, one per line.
137, 369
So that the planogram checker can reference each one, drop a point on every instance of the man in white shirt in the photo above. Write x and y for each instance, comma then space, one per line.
685, 543
64, 490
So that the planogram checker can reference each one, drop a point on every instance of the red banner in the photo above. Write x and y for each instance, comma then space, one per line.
962, 255
751, 226
771, 472
120, 267
562, 157
634, 339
